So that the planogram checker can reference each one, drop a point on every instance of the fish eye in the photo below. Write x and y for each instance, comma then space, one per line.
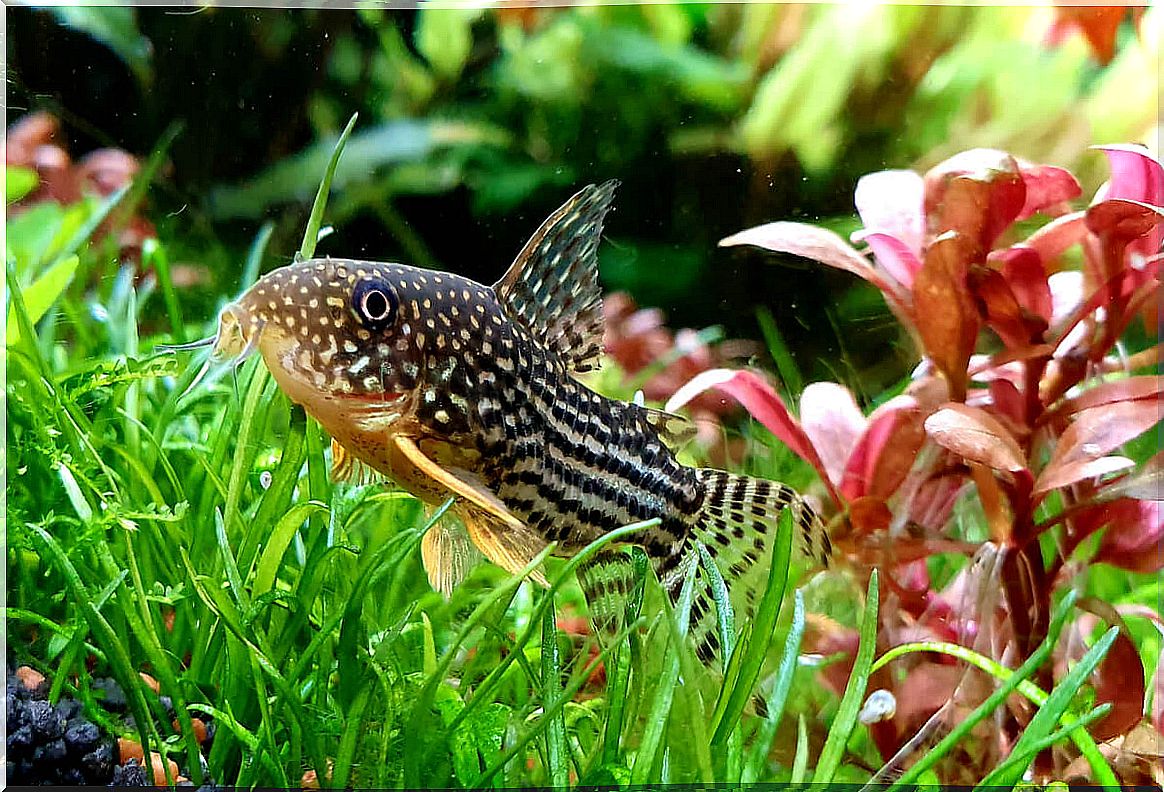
374, 303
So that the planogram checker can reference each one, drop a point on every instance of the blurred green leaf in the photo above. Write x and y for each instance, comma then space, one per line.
18, 182
444, 37
116, 28
297, 178
41, 295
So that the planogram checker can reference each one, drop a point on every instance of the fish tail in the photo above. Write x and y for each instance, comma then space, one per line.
737, 526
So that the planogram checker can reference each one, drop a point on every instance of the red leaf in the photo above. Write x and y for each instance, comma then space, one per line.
1125, 220
892, 202
1099, 25
1024, 273
1130, 389
886, 451
760, 400
833, 422
946, 317
1003, 312
1047, 186
977, 193
1134, 535
1079, 470
1057, 236
1099, 430
1119, 681
869, 515
975, 435
893, 255
1007, 400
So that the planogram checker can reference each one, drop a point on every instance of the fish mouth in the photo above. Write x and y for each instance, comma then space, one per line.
238, 334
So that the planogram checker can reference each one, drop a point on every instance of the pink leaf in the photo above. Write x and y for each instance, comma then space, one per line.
893, 255
1057, 236
760, 400
807, 241
1135, 531
1135, 176
1102, 429
1080, 470
886, 451
1023, 270
975, 435
1047, 186
833, 422
892, 202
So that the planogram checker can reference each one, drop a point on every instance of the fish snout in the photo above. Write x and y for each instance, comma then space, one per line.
238, 333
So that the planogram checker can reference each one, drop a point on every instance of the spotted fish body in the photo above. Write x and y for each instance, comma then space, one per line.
452, 388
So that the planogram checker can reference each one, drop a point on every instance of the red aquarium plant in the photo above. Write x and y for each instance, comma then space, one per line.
1022, 402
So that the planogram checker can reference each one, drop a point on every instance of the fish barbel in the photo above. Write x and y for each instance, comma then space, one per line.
448, 387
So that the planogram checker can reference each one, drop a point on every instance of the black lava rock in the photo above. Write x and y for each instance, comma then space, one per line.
114, 696
44, 719
20, 741
98, 763
52, 751
81, 736
130, 774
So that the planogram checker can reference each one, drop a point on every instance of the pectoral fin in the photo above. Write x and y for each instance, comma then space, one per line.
477, 495
497, 532
448, 555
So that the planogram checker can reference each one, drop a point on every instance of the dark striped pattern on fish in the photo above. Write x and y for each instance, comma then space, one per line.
450, 387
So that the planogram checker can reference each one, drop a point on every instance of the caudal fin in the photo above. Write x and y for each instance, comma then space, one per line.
737, 526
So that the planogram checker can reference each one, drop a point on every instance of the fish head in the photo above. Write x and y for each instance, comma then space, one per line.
333, 335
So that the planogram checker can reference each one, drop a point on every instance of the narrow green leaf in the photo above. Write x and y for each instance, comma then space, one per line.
311, 233
1055, 707
556, 762
779, 695
1020, 758
41, 295
752, 654
842, 727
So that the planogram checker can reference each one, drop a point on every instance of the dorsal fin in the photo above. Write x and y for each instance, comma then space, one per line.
674, 430
552, 285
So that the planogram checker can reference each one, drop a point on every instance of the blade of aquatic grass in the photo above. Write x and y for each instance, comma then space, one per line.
557, 764
845, 721
487, 686
115, 650
567, 695
278, 542
153, 256
779, 351
142, 625
1011, 682
254, 260
800, 759
311, 233
619, 681
740, 678
1011, 771
276, 498
725, 615
657, 717
353, 726
762, 744
12, 614
86, 229
1054, 709
245, 450
267, 722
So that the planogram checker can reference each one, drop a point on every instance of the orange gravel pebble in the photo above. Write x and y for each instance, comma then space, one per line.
29, 677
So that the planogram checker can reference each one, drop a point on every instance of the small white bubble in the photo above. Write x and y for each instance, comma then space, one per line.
880, 706
265, 479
